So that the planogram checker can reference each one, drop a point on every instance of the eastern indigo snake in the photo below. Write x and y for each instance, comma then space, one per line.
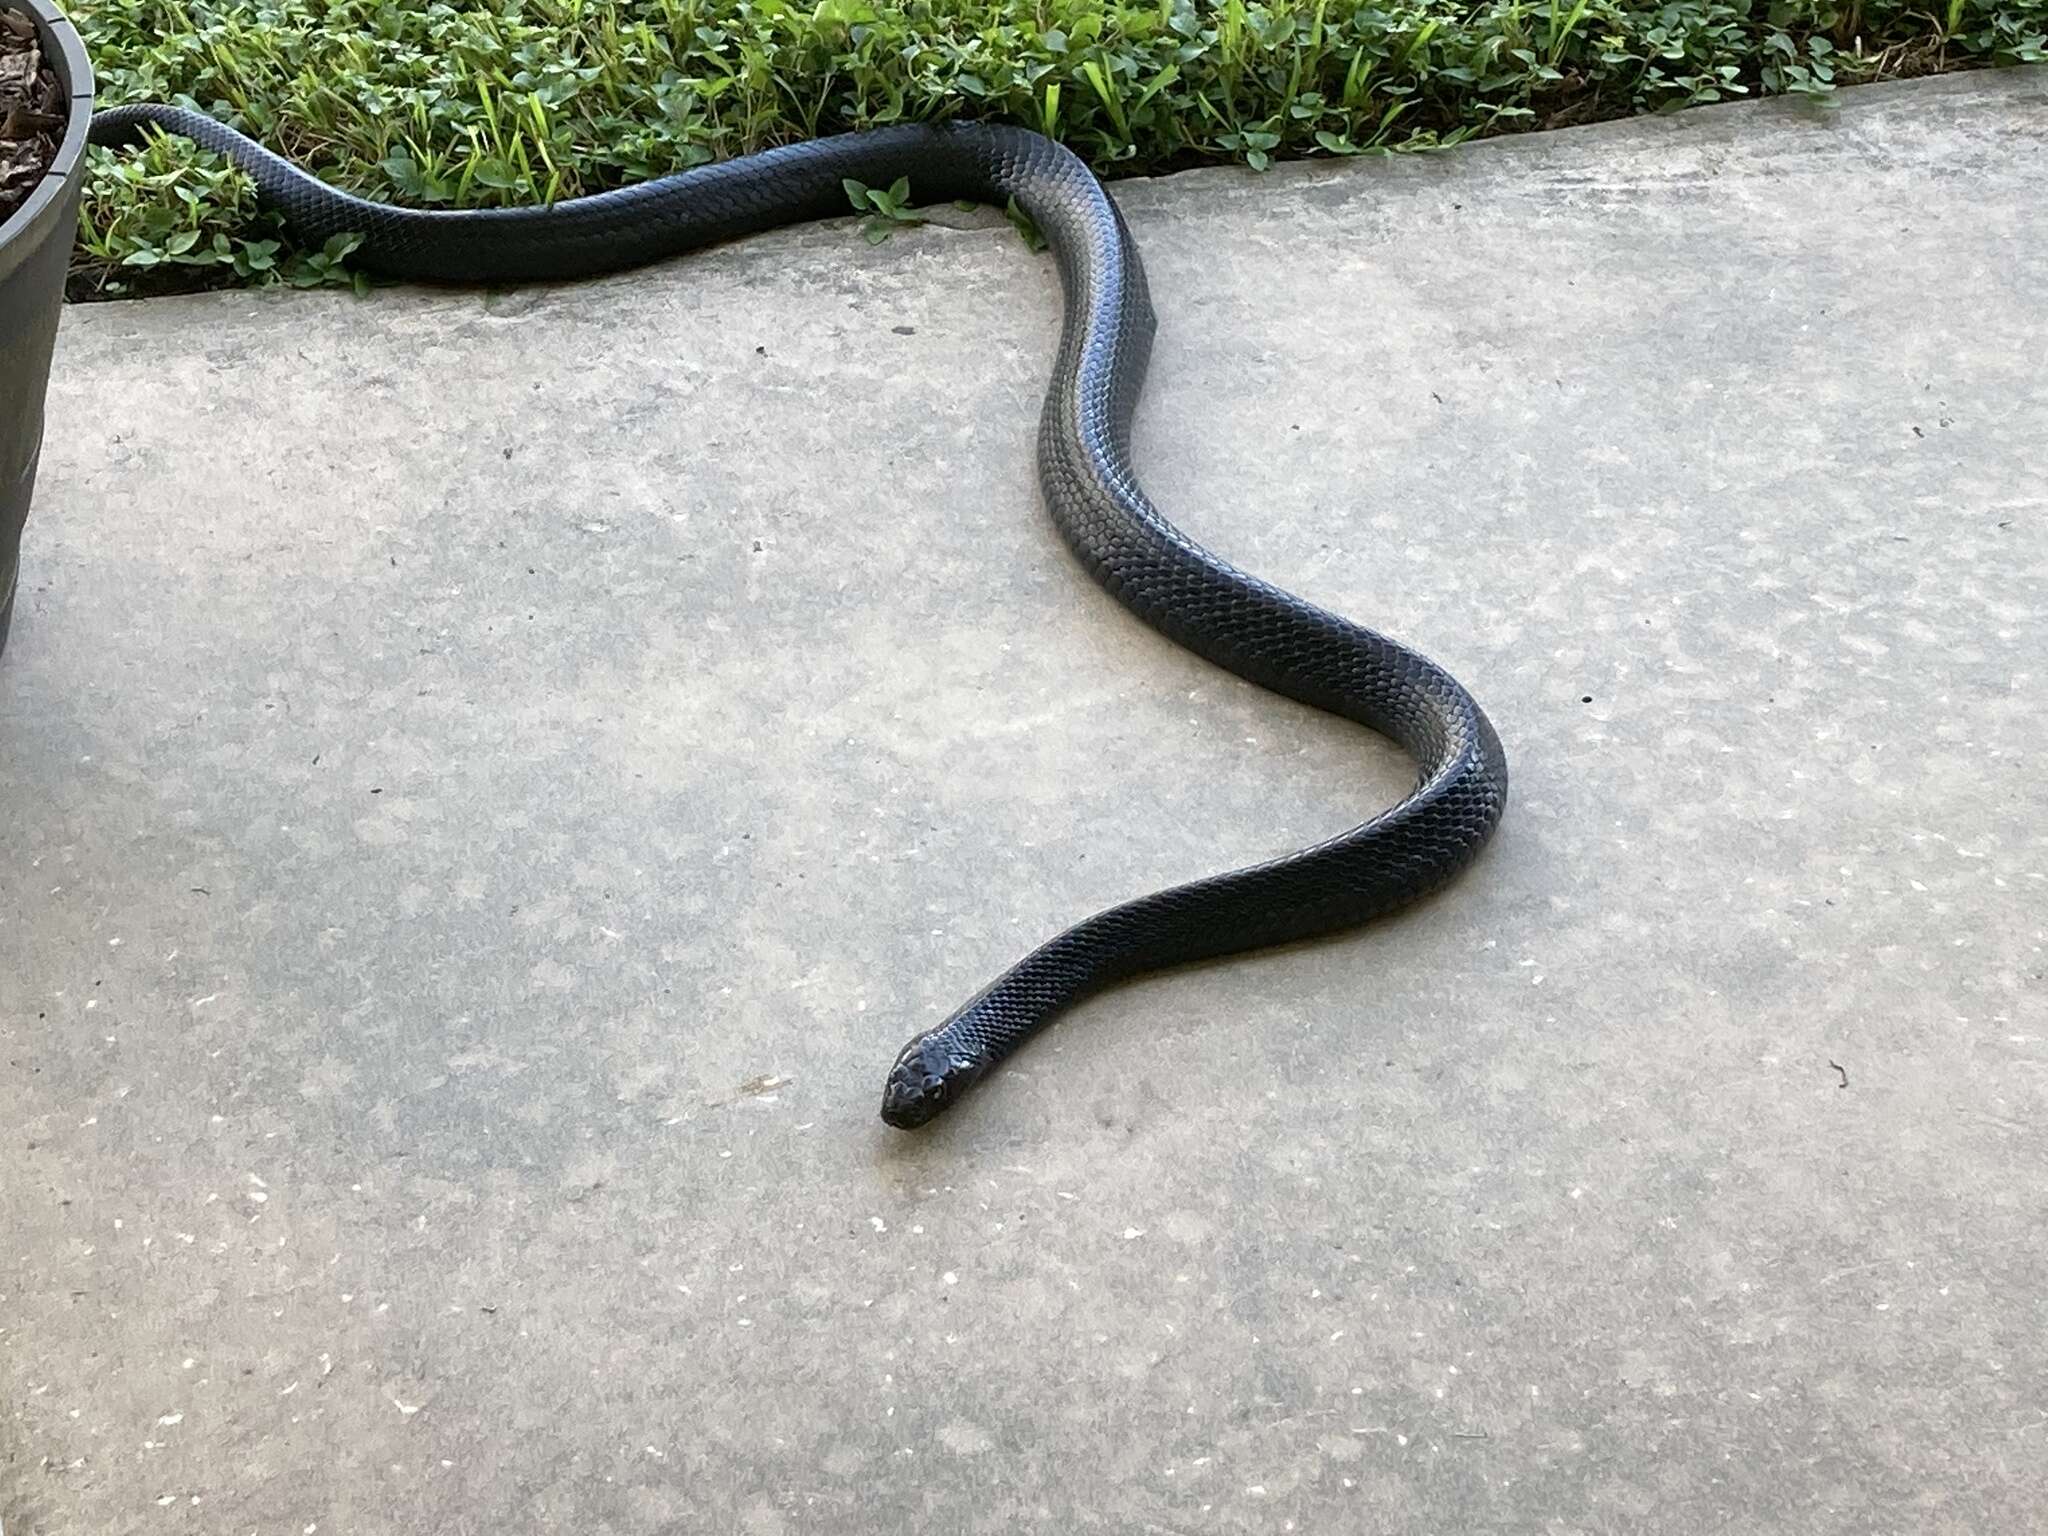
1248, 626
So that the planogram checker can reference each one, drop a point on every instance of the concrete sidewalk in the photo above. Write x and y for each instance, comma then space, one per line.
489, 781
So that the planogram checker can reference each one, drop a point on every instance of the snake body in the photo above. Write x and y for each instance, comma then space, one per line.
1246, 625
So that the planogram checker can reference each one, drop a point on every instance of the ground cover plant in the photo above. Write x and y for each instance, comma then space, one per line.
516, 101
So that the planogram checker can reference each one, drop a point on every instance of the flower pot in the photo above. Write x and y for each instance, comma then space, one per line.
35, 250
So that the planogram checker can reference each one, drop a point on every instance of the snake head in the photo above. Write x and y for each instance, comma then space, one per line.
926, 1078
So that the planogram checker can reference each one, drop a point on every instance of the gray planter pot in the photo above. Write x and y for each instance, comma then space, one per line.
35, 250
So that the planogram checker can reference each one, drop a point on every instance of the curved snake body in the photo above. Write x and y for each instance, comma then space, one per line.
1235, 620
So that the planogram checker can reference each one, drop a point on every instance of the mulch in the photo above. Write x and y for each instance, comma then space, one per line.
32, 112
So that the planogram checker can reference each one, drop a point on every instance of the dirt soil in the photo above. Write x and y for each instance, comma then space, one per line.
32, 112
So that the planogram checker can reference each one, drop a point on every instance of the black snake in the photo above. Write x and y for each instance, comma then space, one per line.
1248, 626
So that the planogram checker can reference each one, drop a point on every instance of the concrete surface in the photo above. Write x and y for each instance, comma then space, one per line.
490, 781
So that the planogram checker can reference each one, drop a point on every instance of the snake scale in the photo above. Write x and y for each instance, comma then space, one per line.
1248, 626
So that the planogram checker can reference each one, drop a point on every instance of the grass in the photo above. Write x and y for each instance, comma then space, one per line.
516, 101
